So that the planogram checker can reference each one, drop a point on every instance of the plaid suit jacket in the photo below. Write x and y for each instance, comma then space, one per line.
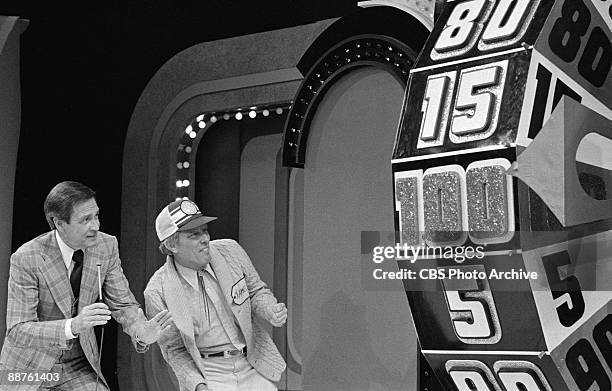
40, 301
231, 265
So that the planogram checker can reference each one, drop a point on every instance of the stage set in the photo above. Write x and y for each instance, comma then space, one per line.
473, 124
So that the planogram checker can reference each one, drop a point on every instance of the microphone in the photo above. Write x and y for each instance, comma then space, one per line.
98, 265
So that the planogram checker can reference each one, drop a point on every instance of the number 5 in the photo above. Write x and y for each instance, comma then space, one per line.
472, 308
570, 286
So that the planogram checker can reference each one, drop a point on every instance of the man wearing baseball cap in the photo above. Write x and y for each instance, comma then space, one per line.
212, 291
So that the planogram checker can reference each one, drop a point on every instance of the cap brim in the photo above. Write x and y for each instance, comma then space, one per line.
200, 220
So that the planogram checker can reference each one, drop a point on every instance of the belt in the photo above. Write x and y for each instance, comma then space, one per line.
225, 353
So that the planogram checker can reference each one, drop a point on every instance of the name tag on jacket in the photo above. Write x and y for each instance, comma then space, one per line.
240, 292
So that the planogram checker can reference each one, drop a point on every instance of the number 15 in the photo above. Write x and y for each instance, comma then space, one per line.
476, 106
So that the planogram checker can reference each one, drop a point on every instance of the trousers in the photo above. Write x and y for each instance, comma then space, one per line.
234, 374
76, 374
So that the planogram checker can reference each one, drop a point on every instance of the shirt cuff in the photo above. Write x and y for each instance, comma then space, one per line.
140, 346
68, 329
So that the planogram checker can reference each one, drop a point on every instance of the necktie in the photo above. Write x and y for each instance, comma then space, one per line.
204, 295
77, 271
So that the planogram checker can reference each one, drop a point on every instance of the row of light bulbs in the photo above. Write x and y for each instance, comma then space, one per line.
238, 116
200, 123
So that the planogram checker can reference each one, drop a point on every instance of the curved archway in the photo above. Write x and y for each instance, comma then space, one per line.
346, 45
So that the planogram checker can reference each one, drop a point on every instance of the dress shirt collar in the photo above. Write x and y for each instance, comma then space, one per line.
66, 250
190, 275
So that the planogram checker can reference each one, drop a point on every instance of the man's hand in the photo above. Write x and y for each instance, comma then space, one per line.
95, 314
276, 314
201, 387
155, 327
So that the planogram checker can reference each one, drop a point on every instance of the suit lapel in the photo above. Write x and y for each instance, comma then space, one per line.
224, 276
176, 301
55, 274
89, 279
226, 282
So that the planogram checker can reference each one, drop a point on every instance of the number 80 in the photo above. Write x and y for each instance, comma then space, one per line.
505, 27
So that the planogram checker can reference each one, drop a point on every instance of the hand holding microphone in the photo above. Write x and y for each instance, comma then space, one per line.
95, 314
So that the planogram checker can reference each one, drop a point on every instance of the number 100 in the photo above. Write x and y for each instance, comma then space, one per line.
446, 202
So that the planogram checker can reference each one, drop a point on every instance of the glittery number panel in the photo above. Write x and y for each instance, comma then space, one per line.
475, 313
477, 95
497, 372
443, 205
463, 106
489, 202
509, 373
474, 28
409, 194
472, 308
483, 24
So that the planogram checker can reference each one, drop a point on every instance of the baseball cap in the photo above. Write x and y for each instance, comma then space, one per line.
180, 215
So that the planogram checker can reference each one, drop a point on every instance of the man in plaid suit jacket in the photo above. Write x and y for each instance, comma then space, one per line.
50, 316
217, 301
